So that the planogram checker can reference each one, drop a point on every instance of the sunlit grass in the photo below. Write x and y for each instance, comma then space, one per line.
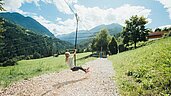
144, 71
25, 69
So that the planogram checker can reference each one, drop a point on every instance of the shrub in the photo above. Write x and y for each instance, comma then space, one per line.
27, 58
122, 48
36, 55
9, 62
55, 55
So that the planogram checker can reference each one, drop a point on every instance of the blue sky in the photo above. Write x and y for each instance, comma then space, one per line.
58, 18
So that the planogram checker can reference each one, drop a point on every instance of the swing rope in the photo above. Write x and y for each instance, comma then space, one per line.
76, 16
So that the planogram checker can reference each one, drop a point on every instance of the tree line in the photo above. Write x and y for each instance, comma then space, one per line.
133, 32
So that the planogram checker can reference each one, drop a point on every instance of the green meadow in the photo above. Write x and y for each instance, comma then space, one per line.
25, 69
144, 71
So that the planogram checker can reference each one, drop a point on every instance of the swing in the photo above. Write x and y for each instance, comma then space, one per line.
71, 63
76, 16
72, 51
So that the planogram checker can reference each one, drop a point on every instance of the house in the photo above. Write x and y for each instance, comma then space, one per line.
156, 35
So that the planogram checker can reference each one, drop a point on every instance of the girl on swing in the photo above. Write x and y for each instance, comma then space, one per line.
70, 62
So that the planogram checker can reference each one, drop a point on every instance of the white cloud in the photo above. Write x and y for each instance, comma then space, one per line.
96, 16
167, 5
60, 27
67, 26
48, 24
91, 17
61, 5
14, 5
125, 12
165, 26
58, 19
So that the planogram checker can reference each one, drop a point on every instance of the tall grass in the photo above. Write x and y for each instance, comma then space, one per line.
144, 71
28, 68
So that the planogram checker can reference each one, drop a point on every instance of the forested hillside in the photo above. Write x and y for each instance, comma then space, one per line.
18, 43
27, 22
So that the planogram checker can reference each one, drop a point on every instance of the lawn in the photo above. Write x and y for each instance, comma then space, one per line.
25, 69
144, 71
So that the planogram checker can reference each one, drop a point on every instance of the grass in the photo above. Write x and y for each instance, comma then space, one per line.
145, 71
29, 68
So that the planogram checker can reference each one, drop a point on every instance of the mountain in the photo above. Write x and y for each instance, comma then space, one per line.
17, 43
165, 26
84, 35
27, 22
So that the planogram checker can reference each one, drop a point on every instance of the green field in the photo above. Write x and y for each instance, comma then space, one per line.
28, 68
144, 71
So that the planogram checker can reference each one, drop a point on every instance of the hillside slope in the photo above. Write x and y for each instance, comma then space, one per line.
17, 43
145, 71
27, 22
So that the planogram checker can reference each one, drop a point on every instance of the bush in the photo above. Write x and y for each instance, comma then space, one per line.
55, 55
27, 58
122, 48
36, 55
31, 56
9, 62
169, 34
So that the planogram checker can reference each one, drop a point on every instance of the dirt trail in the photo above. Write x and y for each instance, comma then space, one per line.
98, 82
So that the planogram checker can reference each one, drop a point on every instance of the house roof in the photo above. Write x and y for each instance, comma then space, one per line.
156, 34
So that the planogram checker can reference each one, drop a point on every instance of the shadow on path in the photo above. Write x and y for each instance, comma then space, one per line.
59, 85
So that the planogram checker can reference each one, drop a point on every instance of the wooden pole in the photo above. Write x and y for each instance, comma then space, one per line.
76, 16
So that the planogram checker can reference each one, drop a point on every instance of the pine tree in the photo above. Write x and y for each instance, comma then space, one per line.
113, 46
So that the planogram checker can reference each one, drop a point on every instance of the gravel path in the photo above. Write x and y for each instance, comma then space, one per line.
98, 82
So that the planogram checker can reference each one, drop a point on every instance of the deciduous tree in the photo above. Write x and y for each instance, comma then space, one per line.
135, 30
102, 40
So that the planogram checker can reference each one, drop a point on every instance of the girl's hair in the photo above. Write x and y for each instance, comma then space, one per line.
66, 53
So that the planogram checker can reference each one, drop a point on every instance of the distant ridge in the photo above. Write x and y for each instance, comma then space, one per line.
27, 22
113, 29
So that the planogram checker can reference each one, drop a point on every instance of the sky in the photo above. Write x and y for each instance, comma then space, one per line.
56, 16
